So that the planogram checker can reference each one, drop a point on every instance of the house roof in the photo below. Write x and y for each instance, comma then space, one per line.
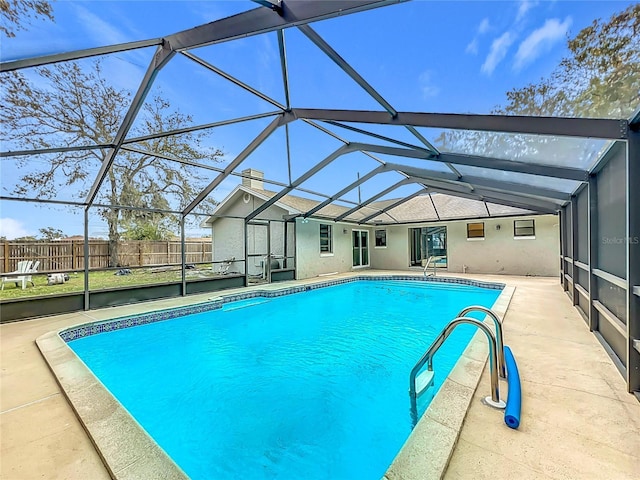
428, 207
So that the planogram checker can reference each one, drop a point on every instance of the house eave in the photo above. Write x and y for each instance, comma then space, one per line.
209, 221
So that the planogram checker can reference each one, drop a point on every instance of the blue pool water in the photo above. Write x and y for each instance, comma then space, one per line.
312, 385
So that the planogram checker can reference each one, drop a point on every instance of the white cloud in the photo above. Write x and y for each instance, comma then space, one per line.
426, 85
126, 69
98, 29
541, 41
12, 228
472, 48
207, 11
498, 51
267, 63
524, 7
484, 26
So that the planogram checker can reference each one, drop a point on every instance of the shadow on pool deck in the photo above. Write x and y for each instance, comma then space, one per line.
577, 419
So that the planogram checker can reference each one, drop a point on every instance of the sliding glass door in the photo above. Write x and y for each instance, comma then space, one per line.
360, 248
428, 242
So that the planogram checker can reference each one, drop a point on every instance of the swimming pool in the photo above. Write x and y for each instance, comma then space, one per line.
299, 386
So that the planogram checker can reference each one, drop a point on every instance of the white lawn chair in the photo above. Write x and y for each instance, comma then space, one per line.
23, 275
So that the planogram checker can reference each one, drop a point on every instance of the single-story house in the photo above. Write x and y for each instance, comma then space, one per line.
458, 234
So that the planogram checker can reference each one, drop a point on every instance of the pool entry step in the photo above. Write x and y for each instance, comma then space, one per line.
244, 304
423, 381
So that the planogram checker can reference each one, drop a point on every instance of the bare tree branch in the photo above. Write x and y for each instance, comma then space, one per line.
71, 105
17, 13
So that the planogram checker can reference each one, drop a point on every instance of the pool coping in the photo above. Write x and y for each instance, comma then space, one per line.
427, 451
129, 452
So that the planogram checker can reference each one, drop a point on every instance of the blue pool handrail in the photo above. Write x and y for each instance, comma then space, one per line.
427, 359
499, 337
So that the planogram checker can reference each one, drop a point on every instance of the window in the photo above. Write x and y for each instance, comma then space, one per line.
475, 230
524, 228
326, 238
381, 238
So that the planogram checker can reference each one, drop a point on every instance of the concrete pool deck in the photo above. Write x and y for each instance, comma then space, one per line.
577, 421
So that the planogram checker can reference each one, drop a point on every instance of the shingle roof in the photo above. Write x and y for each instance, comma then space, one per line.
427, 207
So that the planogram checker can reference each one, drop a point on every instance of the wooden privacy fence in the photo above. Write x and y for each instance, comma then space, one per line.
68, 256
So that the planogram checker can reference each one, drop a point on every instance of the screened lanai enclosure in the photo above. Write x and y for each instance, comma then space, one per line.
343, 146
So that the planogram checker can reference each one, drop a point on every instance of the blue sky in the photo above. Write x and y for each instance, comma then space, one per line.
453, 57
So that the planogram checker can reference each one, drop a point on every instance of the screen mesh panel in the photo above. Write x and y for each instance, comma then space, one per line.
613, 297
612, 241
582, 217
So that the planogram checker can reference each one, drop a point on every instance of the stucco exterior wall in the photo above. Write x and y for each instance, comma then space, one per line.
238, 207
311, 263
395, 256
498, 253
228, 234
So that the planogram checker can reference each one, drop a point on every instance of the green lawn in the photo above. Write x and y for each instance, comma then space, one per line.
102, 280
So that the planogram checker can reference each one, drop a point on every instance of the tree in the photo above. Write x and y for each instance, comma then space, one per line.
27, 238
147, 228
71, 106
599, 78
50, 233
15, 13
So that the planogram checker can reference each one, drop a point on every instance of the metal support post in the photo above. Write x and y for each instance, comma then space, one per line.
633, 261
246, 253
86, 259
593, 251
574, 249
183, 256
562, 246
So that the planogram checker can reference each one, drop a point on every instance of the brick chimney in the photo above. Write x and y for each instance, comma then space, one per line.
256, 181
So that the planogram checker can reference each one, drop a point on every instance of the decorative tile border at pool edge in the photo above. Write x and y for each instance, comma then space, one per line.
425, 454
94, 328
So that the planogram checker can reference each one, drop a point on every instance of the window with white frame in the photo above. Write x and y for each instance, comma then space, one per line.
326, 238
475, 230
524, 228
381, 238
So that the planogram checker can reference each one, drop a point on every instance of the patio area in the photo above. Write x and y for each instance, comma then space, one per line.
578, 421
